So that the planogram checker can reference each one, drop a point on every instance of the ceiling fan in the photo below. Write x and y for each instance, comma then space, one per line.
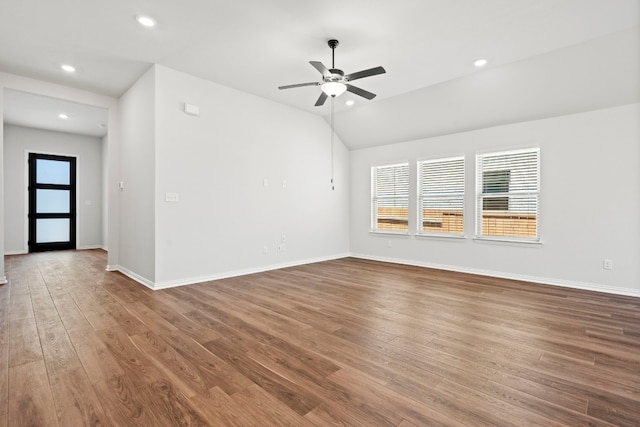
334, 81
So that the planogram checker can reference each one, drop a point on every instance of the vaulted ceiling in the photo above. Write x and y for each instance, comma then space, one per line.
427, 47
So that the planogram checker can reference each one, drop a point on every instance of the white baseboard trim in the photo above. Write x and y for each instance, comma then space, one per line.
89, 247
17, 252
3, 280
130, 274
500, 274
244, 272
218, 276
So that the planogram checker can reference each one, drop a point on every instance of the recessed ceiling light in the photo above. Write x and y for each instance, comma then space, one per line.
480, 62
68, 68
63, 116
146, 21
350, 102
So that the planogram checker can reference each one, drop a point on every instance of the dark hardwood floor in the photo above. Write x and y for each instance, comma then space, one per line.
345, 342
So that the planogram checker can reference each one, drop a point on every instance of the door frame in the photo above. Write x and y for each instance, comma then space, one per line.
73, 229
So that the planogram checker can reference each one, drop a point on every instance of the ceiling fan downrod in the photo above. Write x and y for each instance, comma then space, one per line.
333, 44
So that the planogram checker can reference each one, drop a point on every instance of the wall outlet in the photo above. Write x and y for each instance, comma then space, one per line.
279, 248
171, 197
283, 238
607, 264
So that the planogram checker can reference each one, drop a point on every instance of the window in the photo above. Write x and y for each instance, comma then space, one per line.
390, 197
496, 182
508, 189
441, 196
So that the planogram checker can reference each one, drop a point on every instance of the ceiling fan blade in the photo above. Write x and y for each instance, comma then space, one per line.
365, 73
321, 99
298, 85
320, 67
363, 93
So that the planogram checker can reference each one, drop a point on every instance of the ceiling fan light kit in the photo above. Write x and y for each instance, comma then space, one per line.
333, 89
334, 82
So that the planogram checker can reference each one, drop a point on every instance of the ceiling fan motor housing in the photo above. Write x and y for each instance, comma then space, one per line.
335, 76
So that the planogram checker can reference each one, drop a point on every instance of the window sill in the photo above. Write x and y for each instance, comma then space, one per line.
506, 240
441, 236
390, 232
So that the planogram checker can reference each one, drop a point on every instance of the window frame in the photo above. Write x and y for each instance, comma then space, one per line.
445, 195
511, 194
375, 197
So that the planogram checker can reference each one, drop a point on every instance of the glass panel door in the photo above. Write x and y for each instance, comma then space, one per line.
52, 210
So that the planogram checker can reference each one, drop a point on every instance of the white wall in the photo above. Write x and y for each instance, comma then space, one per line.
590, 202
105, 191
137, 173
218, 162
18, 141
3, 277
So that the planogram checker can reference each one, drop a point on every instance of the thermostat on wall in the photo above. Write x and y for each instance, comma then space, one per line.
192, 110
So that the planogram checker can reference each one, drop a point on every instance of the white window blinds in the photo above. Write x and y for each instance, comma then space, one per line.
508, 194
441, 196
390, 197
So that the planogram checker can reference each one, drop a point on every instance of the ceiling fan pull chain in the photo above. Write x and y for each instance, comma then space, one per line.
333, 187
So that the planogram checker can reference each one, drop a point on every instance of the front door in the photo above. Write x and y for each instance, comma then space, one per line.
52, 202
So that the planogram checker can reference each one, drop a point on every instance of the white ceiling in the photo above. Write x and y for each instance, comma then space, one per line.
256, 45
41, 112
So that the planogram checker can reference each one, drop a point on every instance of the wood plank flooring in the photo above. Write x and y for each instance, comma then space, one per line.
344, 342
